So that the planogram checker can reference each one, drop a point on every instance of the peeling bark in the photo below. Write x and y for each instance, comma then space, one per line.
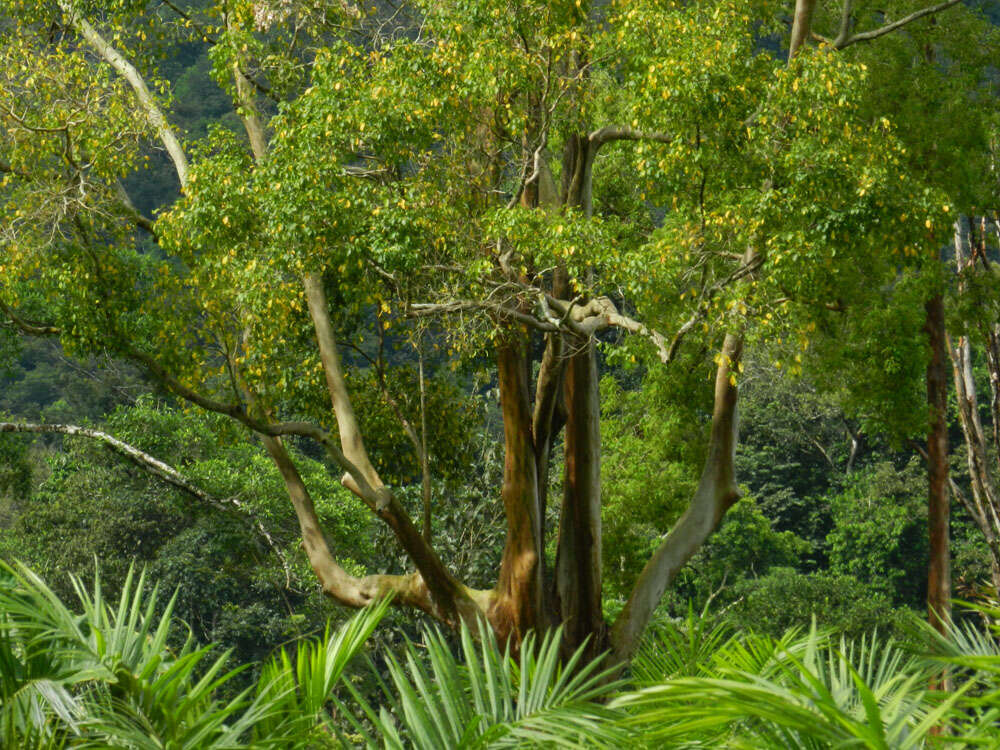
518, 606
578, 555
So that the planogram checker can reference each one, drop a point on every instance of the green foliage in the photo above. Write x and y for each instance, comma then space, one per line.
745, 547
659, 423
233, 587
880, 532
785, 598
795, 693
107, 677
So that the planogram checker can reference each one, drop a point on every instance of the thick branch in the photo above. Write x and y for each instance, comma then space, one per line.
238, 412
336, 582
716, 493
149, 463
578, 551
450, 597
519, 603
351, 441
610, 133
429, 309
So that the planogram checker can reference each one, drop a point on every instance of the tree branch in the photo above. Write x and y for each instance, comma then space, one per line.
716, 493
28, 327
866, 36
129, 72
157, 468
448, 595
607, 134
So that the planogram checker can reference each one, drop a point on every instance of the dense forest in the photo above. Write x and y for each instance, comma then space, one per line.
489, 373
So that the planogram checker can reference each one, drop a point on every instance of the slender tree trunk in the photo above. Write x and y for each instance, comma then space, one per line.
985, 500
938, 508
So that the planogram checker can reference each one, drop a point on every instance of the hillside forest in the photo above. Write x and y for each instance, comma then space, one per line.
499, 373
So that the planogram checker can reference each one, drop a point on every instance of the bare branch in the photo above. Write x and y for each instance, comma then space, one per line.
867, 36
422, 310
155, 467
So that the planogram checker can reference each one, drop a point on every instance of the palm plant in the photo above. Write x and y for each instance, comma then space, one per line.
794, 692
969, 655
301, 688
487, 698
107, 678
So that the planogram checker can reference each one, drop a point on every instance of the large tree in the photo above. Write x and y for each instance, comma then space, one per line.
559, 184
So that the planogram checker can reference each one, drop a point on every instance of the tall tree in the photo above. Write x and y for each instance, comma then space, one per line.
544, 180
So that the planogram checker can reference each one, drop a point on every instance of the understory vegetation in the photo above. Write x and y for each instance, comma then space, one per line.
103, 673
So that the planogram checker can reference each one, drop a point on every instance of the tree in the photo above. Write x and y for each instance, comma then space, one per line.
553, 182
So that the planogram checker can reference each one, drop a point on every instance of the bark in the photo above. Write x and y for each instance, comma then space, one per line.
544, 419
518, 605
938, 508
578, 554
715, 494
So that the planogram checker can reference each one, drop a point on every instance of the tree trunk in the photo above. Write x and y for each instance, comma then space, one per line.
984, 506
578, 555
715, 494
801, 26
518, 603
938, 509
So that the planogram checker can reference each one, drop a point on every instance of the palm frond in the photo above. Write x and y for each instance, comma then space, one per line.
487, 698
